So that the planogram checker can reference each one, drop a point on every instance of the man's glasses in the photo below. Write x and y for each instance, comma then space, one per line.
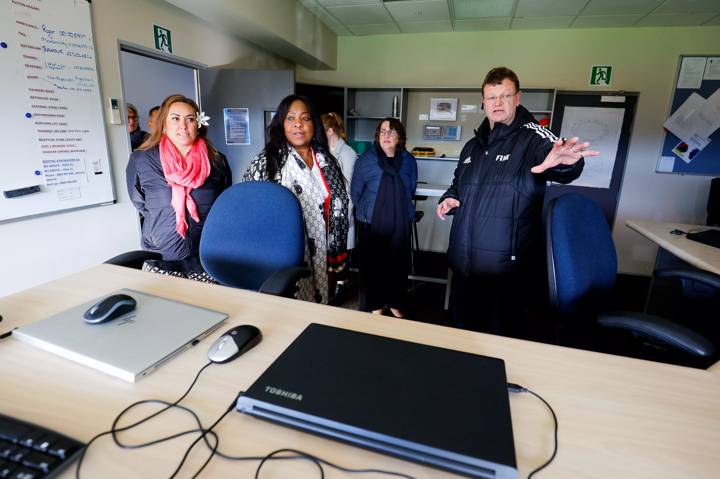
505, 97
389, 132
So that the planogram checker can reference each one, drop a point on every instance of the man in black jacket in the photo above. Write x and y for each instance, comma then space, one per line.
496, 249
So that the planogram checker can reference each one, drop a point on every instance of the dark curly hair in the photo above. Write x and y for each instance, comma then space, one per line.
396, 125
277, 147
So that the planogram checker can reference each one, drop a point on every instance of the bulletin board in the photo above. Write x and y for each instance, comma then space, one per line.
55, 155
697, 92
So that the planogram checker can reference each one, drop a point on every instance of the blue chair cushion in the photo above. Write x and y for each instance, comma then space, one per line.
583, 252
253, 230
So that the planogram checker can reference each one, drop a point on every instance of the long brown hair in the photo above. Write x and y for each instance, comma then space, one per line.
334, 121
158, 128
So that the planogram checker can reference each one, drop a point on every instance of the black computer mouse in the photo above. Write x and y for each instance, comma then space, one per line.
110, 308
677, 232
233, 343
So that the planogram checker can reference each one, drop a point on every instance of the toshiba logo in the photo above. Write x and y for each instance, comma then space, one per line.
283, 393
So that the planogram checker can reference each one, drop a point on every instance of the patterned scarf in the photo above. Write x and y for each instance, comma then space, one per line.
183, 176
326, 220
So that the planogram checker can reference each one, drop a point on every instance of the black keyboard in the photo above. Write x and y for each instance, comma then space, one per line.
29, 451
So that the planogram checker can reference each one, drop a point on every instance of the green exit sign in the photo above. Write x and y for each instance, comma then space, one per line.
163, 39
600, 75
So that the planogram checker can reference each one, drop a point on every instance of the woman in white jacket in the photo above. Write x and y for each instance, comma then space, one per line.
346, 156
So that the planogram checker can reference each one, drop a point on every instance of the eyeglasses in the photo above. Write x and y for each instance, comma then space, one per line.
505, 97
389, 132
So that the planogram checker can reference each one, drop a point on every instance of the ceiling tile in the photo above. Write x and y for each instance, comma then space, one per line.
620, 7
330, 21
344, 3
674, 20
374, 29
426, 27
689, 6
465, 9
541, 8
606, 21
540, 22
482, 24
361, 15
419, 11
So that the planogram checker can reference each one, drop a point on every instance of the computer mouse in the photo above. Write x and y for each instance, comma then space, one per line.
233, 343
676, 232
110, 308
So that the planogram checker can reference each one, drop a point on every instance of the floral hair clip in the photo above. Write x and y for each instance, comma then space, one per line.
202, 118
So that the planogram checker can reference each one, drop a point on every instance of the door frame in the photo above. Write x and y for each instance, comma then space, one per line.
129, 47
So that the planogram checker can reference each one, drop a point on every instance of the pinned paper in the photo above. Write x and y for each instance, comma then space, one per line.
688, 151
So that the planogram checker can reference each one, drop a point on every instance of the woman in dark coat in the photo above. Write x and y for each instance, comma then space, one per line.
174, 178
383, 184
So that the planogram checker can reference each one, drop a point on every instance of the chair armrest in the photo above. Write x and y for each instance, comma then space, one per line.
133, 259
283, 282
705, 277
660, 331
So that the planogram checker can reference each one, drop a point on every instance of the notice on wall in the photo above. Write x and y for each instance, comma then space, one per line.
601, 127
53, 131
237, 126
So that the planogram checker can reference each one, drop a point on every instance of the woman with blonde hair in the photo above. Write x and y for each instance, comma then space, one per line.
174, 178
346, 156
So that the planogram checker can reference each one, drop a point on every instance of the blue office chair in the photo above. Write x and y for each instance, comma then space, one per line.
254, 238
582, 266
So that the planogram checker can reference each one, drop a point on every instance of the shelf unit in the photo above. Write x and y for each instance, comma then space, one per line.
365, 107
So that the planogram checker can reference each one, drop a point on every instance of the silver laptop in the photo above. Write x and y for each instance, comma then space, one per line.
130, 346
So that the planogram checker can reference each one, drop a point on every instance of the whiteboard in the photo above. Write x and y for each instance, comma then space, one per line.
52, 133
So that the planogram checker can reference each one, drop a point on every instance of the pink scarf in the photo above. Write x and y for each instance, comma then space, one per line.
183, 176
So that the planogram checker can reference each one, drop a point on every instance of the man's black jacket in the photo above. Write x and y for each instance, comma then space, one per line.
498, 225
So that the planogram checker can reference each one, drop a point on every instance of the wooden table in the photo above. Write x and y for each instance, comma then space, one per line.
697, 254
619, 417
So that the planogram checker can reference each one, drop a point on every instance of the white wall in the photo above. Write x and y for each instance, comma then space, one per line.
644, 60
36, 250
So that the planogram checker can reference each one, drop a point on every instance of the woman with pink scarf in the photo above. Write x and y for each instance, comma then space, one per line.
174, 178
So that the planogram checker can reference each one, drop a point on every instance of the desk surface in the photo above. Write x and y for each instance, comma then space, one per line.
697, 254
619, 417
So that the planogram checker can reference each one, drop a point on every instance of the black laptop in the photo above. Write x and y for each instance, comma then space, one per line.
435, 406
708, 237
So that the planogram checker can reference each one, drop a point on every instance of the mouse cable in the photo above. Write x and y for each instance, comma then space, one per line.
516, 388
204, 436
114, 430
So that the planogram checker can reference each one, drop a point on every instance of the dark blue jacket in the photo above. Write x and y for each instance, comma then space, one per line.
497, 228
366, 181
150, 193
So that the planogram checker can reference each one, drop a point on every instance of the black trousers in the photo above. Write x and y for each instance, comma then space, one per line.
383, 270
509, 305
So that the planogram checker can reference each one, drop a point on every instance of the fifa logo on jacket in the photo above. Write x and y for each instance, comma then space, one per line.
502, 157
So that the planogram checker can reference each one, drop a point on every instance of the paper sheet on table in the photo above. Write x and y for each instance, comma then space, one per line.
601, 127
683, 122
691, 72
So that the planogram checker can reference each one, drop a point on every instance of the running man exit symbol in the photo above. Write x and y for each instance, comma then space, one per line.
600, 75
163, 40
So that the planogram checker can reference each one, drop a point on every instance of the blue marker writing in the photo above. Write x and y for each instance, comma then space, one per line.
3, 44
37, 172
28, 115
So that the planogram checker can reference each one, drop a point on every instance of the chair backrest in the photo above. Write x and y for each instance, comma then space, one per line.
253, 230
582, 263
